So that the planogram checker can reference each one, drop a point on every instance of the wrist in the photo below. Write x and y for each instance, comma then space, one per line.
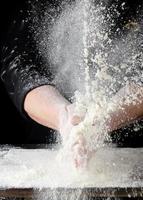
45, 105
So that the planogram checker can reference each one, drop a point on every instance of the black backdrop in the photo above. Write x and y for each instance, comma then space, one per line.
14, 128
12, 124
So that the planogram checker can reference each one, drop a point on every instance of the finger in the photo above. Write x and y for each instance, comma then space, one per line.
80, 141
75, 120
76, 163
80, 163
83, 161
81, 151
80, 157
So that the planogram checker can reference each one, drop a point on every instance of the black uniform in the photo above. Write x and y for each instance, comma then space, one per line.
23, 67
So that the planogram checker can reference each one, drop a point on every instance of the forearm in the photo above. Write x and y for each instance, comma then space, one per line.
44, 105
129, 104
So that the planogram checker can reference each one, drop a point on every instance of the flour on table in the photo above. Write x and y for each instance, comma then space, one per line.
109, 167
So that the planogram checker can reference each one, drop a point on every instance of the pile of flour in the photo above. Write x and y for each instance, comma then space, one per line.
109, 167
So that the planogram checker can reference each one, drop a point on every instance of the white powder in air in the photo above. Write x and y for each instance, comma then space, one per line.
87, 60
92, 59
107, 64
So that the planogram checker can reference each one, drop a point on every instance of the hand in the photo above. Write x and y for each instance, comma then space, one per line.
67, 120
80, 152
77, 147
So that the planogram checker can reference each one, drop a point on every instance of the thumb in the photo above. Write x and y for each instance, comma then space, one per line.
75, 120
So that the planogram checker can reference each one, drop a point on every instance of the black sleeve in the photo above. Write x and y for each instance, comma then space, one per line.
22, 66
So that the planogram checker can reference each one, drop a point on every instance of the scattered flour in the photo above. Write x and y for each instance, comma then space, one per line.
39, 169
89, 60
109, 65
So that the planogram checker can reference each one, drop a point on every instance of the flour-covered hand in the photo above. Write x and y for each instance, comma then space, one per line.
81, 153
68, 119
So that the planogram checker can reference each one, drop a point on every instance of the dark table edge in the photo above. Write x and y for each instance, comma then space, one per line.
90, 192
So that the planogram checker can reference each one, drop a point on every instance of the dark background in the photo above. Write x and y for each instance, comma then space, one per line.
14, 128
12, 124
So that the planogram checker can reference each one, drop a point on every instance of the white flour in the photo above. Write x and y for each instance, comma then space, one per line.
99, 57
109, 167
88, 61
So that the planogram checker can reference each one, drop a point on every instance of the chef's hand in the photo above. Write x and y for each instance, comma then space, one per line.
67, 120
48, 107
79, 150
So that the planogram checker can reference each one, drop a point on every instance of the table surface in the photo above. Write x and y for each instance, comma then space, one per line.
29, 192
59, 192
